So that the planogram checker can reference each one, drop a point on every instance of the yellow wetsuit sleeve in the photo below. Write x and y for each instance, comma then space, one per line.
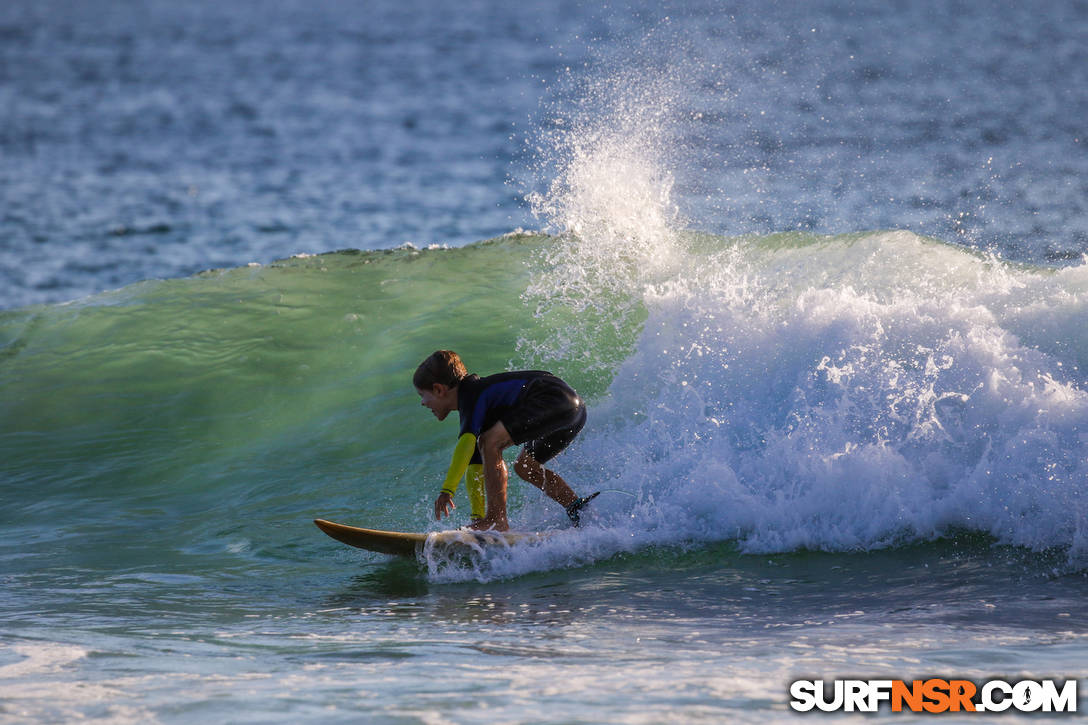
462, 454
474, 484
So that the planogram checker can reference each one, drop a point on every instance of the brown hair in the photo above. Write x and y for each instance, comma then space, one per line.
443, 366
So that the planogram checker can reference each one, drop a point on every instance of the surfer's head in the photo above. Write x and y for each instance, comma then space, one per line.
442, 366
436, 381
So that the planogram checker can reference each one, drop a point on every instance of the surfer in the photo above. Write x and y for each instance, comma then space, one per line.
531, 408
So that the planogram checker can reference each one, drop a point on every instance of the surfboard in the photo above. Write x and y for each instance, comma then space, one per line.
403, 543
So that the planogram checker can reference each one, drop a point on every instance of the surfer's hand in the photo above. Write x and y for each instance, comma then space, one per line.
443, 505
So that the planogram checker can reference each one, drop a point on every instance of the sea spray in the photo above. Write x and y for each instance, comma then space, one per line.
605, 166
796, 391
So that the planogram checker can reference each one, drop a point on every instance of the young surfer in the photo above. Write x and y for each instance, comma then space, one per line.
528, 407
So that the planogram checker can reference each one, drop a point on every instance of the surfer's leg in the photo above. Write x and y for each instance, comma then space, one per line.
550, 482
547, 422
492, 442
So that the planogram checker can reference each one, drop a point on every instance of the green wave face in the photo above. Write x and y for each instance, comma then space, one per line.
310, 358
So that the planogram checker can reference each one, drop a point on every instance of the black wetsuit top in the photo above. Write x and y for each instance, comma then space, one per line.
534, 405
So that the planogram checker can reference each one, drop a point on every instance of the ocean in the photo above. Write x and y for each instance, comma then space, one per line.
820, 271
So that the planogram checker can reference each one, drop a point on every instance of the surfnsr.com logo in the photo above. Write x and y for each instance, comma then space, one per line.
934, 695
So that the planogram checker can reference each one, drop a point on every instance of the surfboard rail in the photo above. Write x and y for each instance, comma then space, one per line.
407, 543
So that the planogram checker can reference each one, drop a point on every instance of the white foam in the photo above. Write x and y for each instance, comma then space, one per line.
837, 393
834, 393
43, 658
856, 394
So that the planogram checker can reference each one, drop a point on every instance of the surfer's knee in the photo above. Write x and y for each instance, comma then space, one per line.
494, 440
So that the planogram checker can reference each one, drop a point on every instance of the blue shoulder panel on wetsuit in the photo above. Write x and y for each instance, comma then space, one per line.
500, 394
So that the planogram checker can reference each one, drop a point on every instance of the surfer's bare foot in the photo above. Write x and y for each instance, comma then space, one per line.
490, 524
576, 506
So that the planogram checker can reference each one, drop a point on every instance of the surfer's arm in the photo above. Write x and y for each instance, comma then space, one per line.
474, 484
462, 454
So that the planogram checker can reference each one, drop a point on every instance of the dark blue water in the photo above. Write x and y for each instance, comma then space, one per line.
156, 139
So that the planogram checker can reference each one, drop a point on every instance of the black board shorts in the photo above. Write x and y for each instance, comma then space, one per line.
546, 418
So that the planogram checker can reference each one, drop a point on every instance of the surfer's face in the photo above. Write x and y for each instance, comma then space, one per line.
441, 400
